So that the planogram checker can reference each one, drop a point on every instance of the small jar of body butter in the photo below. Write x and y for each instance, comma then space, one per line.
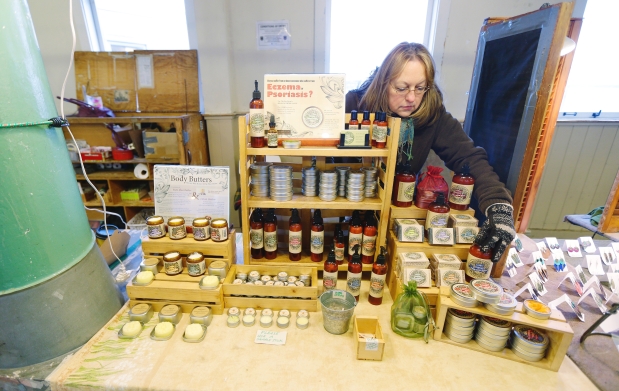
176, 228
155, 226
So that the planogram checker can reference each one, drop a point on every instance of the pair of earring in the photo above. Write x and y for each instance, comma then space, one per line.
572, 249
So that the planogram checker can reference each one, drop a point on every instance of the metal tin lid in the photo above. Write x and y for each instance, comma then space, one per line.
154, 220
537, 309
150, 262
250, 311
463, 293
202, 315
486, 291
285, 313
233, 311
218, 265
303, 314
175, 221
461, 314
531, 339
142, 312
267, 312
200, 222
506, 305
170, 313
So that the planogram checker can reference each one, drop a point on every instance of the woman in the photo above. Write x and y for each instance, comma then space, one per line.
404, 87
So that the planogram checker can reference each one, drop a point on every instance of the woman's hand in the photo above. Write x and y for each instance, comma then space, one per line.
498, 231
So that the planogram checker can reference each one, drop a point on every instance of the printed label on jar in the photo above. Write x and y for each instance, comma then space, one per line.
405, 191
272, 139
317, 242
436, 220
460, 194
353, 283
156, 231
256, 123
380, 134
178, 232
294, 242
354, 239
329, 280
196, 269
369, 245
174, 267
477, 267
270, 241
201, 233
339, 254
256, 238
377, 285
219, 234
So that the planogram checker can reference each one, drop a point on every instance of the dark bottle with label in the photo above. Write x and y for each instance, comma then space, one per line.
378, 278
256, 119
478, 264
329, 274
374, 124
380, 132
353, 124
438, 213
294, 236
355, 233
317, 237
461, 189
365, 122
272, 134
256, 234
339, 245
353, 278
270, 235
403, 187
370, 230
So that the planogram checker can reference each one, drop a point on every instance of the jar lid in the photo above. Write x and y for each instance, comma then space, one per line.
217, 265
529, 339
233, 311
200, 222
219, 223
174, 221
195, 256
506, 305
303, 314
150, 262
267, 312
171, 256
154, 220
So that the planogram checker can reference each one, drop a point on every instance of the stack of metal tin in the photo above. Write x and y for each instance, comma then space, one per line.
259, 173
355, 186
342, 175
281, 183
492, 333
459, 325
486, 291
309, 181
328, 185
528, 343
370, 181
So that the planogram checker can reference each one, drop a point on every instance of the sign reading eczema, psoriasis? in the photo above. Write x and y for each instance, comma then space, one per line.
308, 106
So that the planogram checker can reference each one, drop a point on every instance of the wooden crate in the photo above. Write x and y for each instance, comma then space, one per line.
559, 332
368, 325
181, 289
276, 298
213, 251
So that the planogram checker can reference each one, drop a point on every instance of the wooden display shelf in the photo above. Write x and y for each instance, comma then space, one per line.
559, 332
180, 288
413, 212
276, 298
212, 250
395, 288
300, 201
317, 151
283, 260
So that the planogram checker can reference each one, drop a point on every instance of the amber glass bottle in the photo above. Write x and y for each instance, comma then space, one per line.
370, 230
256, 119
272, 135
478, 263
329, 274
355, 233
353, 124
353, 278
340, 247
270, 235
374, 124
438, 213
365, 122
317, 237
294, 236
380, 131
378, 278
403, 187
461, 189
256, 234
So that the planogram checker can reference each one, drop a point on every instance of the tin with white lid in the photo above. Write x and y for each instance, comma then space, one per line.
486, 291
489, 345
462, 295
529, 340
505, 306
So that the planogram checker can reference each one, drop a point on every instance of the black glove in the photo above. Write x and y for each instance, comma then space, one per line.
498, 231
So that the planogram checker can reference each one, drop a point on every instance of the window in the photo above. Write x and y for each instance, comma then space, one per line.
364, 31
593, 82
120, 25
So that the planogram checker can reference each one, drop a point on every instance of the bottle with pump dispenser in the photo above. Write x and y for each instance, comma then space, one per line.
339, 245
461, 189
370, 231
329, 274
317, 237
353, 278
353, 124
380, 131
355, 232
294, 236
378, 278
256, 119
438, 213
270, 235
272, 134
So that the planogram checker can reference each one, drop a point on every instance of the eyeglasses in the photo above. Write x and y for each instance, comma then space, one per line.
405, 90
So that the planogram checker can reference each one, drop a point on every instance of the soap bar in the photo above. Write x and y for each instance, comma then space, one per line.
164, 330
144, 277
132, 329
193, 331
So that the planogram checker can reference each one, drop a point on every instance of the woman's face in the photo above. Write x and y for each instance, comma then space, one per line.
403, 100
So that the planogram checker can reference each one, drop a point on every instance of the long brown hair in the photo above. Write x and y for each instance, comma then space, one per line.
376, 97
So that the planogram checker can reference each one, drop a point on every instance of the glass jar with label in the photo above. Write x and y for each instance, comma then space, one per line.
219, 230
403, 188
196, 266
155, 226
172, 263
201, 228
176, 228
478, 263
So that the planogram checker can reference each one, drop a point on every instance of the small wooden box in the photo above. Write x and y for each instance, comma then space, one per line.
372, 350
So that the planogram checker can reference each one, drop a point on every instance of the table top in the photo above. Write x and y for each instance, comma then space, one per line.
228, 359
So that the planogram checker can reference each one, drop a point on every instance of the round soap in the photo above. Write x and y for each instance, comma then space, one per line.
282, 322
193, 331
249, 320
164, 330
210, 281
132, 329
302, 322
266, 321
144, 277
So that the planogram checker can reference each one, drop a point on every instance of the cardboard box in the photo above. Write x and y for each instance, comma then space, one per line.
160, 145
466, 234
369, 338
441, 236
462, 220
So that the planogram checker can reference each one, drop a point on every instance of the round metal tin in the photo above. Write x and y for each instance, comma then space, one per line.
462, 295
529, 339
537, 310
526, 356
486, 291
195, 340
141, 312
505, 306
484, 343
